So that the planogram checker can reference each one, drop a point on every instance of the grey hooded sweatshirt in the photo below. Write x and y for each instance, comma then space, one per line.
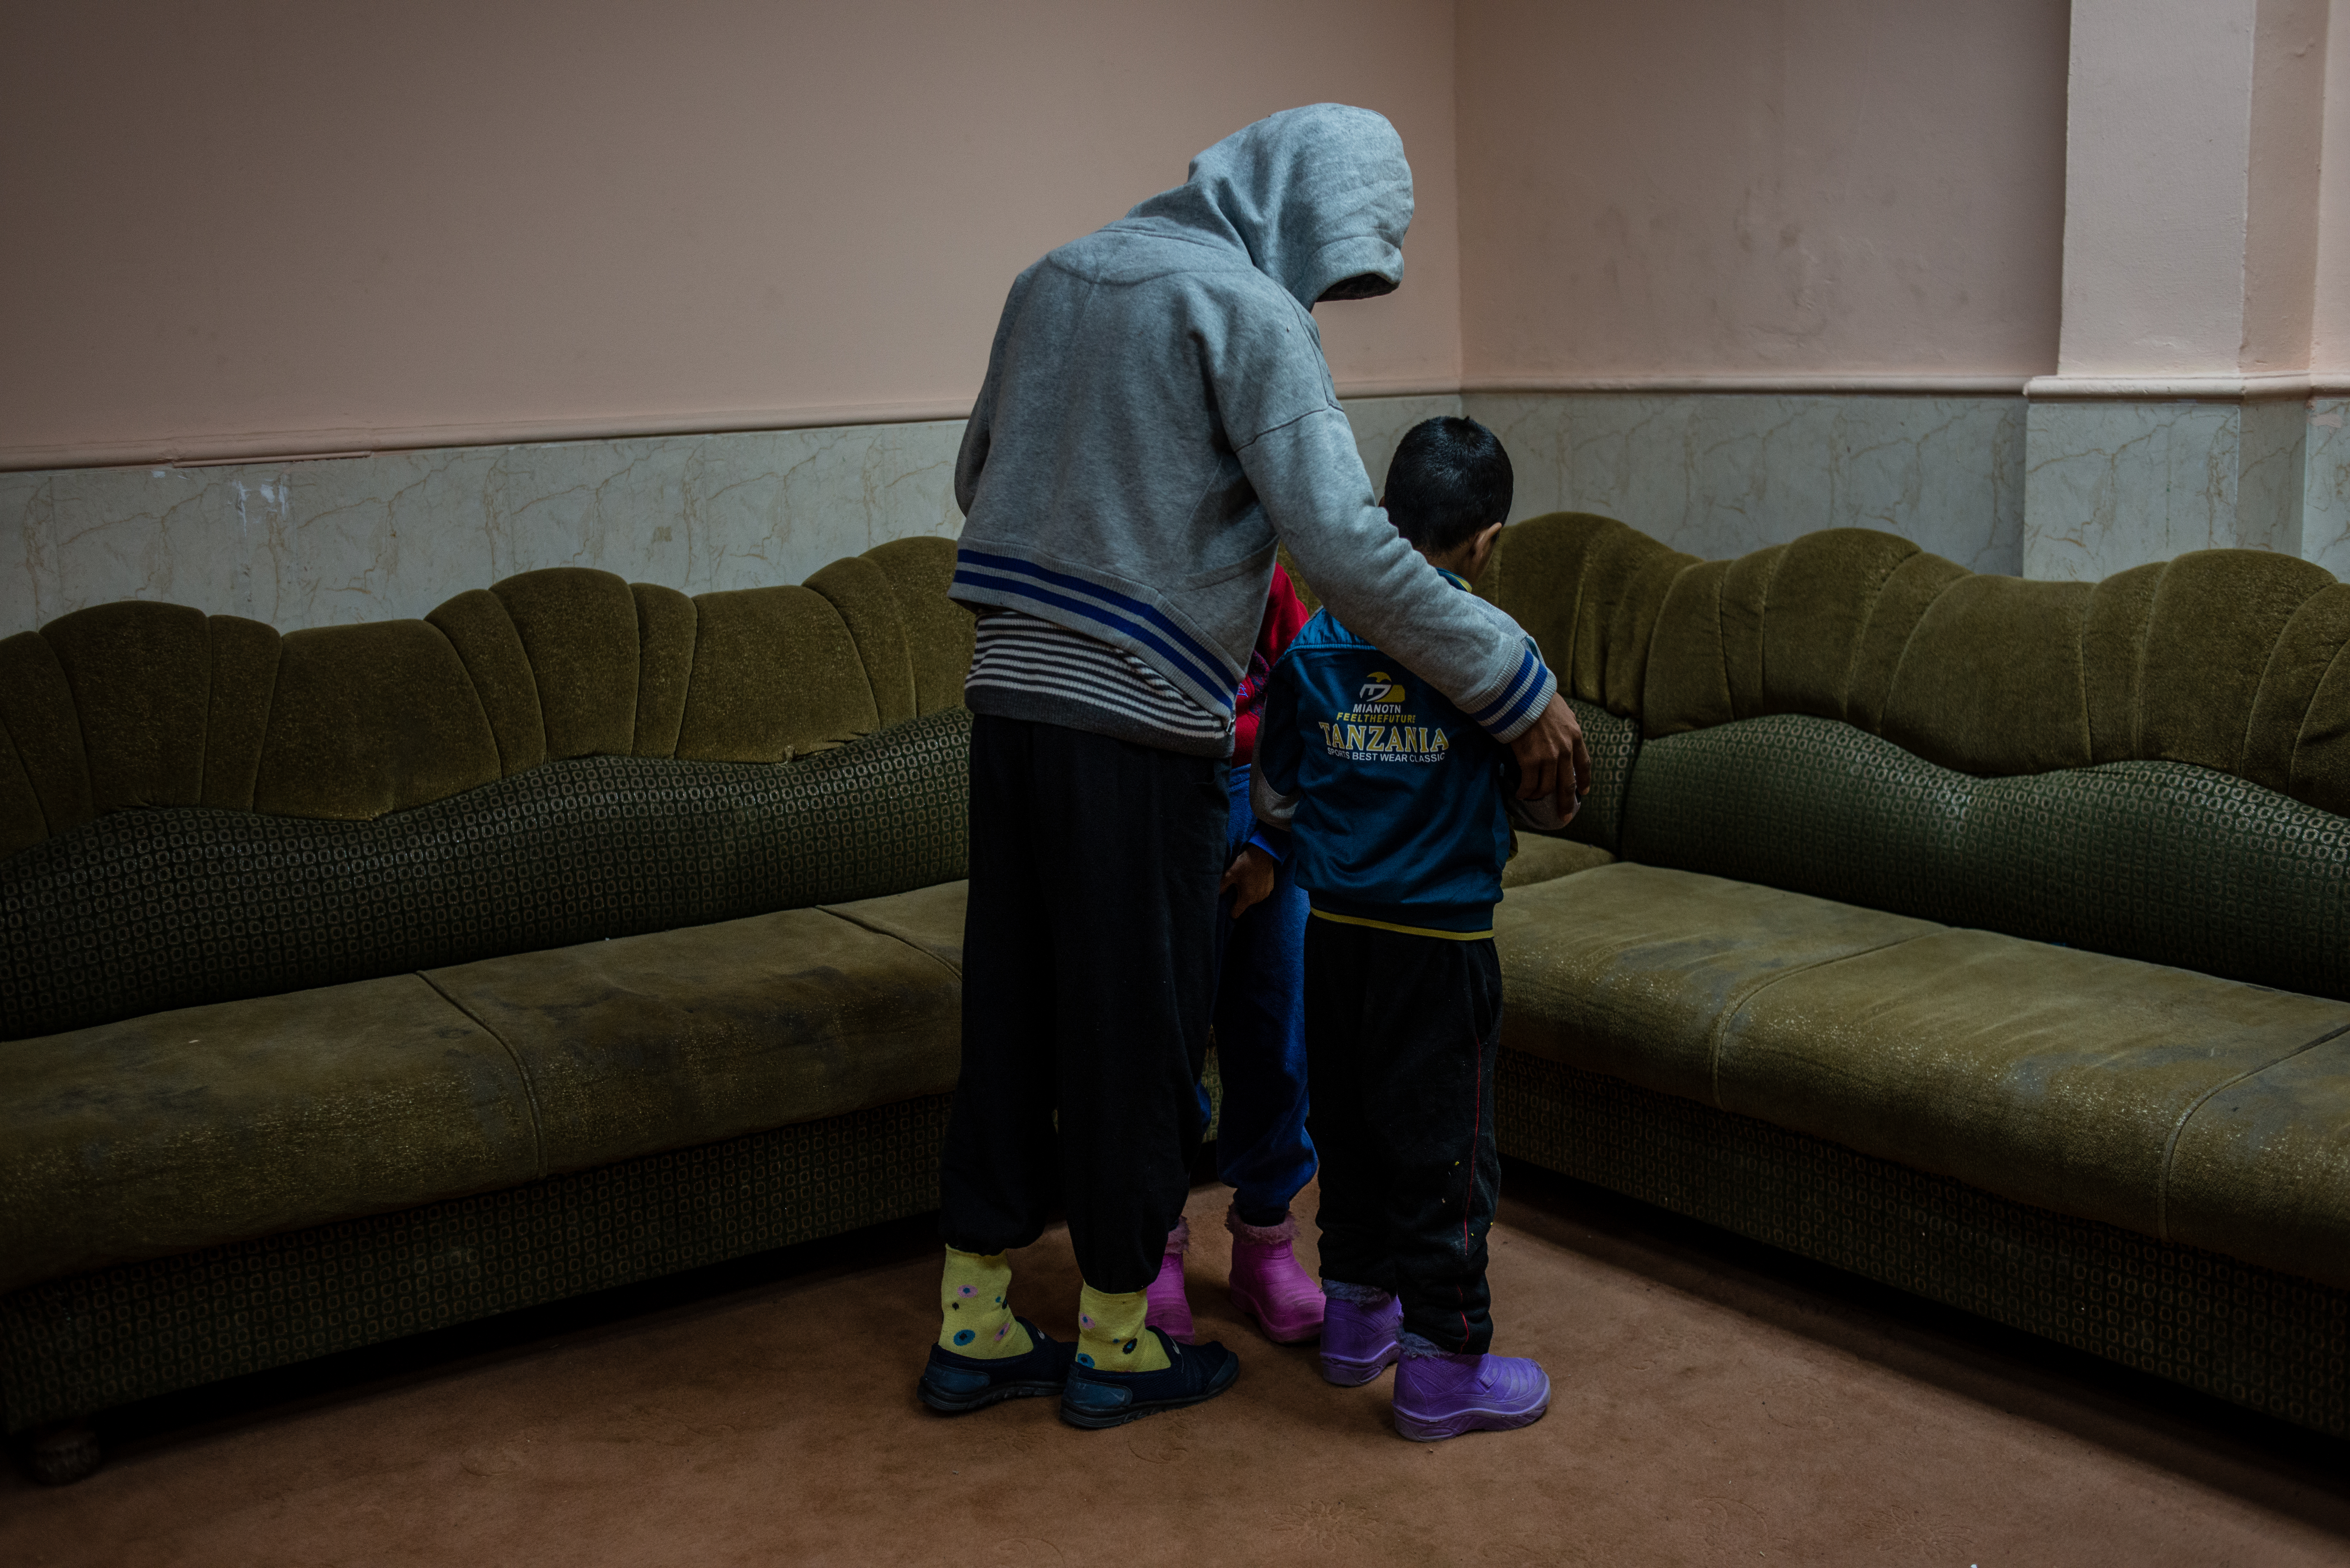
1157, 413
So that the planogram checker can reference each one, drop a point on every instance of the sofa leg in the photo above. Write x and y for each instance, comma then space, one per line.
62, 1454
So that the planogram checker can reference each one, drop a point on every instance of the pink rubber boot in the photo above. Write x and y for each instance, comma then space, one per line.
1169, 1308
1268, 1284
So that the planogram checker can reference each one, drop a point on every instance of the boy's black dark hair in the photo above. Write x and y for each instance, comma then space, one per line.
1450, 478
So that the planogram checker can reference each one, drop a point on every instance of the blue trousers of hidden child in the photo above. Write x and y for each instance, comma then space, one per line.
1263, 1148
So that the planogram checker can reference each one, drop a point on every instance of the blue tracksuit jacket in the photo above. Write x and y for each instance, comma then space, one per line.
1398, 803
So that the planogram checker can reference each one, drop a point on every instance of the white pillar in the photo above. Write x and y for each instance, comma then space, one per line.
2177, 418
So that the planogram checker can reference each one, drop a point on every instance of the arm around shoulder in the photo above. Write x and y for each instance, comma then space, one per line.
1311, 481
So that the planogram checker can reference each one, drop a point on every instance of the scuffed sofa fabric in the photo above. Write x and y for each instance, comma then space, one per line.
1982, 936
314, 946
1984, 883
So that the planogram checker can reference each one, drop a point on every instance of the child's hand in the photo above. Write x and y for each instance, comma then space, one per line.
1248, 879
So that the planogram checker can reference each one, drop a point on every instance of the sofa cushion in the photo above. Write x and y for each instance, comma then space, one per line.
2262, 1171
1893, 620
2046, 1074
20, 804
2154, 860
1631, 970
369, 719
859, 589
1542, 858
1991, 680
775, 675
244, 673
1991, 675
939, 631
1823, 599
36, 706
2212, 634
1615, 747
930, 919
477, 625
685, 1037
208, 1124
578, 627
147, 909
666, 622
141, 680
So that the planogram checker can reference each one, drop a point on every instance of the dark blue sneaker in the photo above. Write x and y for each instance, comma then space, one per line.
1193, 1372
956, 1384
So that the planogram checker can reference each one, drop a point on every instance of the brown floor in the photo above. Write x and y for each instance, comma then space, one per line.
1714, 1404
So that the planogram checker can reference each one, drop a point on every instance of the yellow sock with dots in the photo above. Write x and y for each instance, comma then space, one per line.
1110, 1336
974, 1319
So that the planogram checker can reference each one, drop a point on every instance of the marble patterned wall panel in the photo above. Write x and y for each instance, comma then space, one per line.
2325, 487
395, 533
2271, 474
2115, 484
1719, 474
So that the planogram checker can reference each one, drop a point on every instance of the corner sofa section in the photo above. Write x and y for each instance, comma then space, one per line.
645, 952
1983, 936
371, 980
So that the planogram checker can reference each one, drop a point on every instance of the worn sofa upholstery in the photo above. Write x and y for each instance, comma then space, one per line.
371, 978
364, 981
1983, 935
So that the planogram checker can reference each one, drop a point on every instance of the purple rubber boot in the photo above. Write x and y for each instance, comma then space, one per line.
1167, 1308
1359, 1336
1439, 1395
1268, 1284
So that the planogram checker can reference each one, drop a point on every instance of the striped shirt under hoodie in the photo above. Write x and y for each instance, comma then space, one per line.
1034, 669
1022, 667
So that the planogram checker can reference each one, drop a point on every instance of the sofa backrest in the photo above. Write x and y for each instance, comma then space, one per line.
2155, 766
179, 906
2163, 861
2222, 658
559, 758
1588, 590
137, 704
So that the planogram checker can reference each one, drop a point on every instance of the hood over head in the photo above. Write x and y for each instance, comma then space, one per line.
1315, 195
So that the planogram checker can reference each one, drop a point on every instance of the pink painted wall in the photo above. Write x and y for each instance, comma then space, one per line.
259, 226
2158, 158
1732, 188
2191, 235
2282, 191
2329, 354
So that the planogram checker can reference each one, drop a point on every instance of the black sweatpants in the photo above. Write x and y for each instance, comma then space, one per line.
1088, 980
1402, 1034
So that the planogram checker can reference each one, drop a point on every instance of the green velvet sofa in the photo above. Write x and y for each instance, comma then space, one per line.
1985, 937
368, 979
372, 979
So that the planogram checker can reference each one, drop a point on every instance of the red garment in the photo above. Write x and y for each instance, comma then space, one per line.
1284, 615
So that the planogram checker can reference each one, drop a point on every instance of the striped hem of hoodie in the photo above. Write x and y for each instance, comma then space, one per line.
1022, 667
1201, 673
